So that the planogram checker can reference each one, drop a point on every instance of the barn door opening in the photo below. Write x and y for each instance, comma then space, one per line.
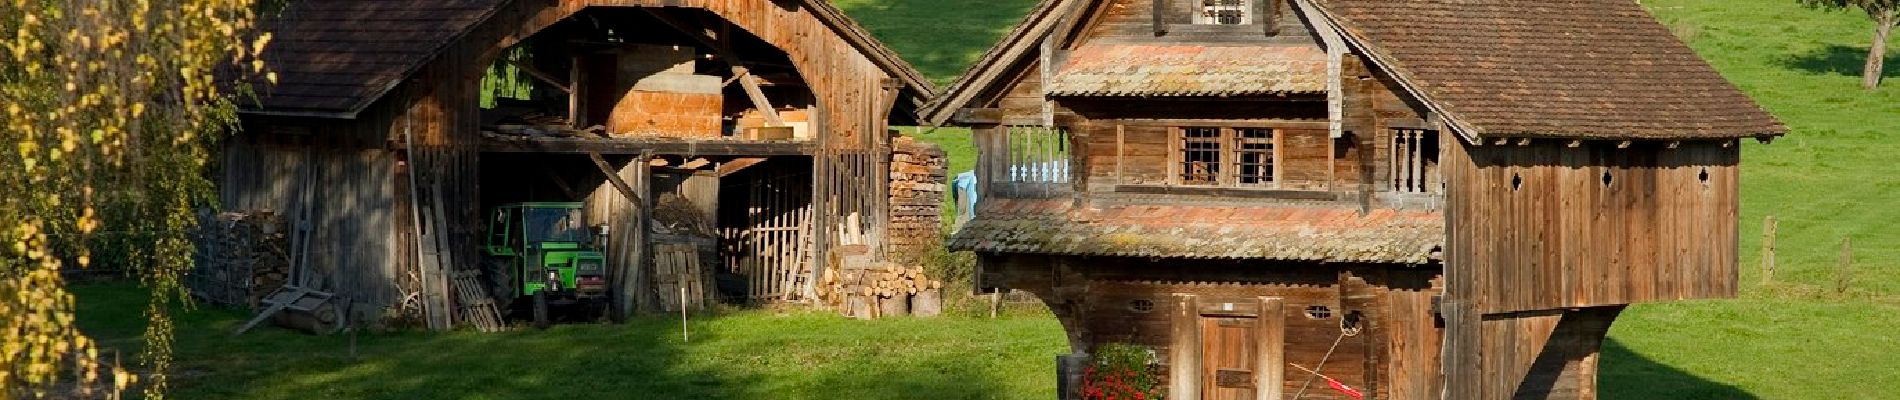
765, 231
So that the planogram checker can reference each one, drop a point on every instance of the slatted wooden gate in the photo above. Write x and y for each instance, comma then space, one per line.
772, 247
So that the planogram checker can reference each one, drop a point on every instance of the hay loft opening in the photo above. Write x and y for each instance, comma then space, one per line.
629, 72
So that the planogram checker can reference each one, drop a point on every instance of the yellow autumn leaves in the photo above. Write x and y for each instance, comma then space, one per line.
111, 107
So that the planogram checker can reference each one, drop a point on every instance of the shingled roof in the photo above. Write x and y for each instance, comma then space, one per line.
1588, 69
1186, 70
333, 58
1292, 233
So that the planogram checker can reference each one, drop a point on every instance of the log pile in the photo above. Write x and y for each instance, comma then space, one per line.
241, 257
916, 200
880, 290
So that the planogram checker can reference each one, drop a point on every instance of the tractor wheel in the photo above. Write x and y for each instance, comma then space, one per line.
541, 309
501, 282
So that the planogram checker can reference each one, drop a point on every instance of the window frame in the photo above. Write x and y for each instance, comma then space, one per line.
1200, 8
1228, 171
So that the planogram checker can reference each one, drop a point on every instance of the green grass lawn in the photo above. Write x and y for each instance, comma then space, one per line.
1834, 177
741, 355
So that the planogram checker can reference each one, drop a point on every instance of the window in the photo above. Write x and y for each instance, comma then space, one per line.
1219, 156
1414, 161
1253, 148
1224, 12
1200, 156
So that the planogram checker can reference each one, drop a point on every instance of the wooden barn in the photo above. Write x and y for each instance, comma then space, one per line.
1420, 199
726, 146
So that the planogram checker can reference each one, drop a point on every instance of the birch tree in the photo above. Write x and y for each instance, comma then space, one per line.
109, 111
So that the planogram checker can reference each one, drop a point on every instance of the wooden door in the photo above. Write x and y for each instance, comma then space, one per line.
1227, 351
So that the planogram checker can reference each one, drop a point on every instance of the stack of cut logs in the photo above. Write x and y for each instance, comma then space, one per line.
881, 290
241, 257
917, 190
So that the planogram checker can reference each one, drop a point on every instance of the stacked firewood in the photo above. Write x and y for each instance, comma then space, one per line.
880, 290
917, 190
241, 257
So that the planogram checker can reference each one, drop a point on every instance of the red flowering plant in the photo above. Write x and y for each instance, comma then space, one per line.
1122, 372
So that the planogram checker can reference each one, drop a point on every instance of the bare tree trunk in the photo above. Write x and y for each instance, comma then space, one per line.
1877, 56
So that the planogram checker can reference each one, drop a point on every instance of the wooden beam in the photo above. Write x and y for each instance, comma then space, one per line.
1269, 370
629, 147
542, 76
613, 177
1160, 21
562, 184
978, 116
1184, 361
736, 165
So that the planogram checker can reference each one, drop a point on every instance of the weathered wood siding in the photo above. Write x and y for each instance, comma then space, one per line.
1548, 226
354, 212
1395, 355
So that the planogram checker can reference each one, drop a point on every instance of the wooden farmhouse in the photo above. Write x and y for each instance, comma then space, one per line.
1417, 198
725, 145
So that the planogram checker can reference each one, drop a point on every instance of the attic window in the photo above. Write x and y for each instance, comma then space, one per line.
1224, 12
1319, 312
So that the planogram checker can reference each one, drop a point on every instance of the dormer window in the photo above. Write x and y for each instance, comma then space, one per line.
1224, 12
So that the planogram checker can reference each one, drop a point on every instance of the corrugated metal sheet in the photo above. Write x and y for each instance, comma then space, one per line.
1187, 70
1204, 232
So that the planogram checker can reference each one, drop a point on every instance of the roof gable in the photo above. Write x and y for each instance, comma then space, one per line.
334, 58
1584, 69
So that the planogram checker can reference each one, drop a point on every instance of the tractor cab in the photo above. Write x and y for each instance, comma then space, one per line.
543, 251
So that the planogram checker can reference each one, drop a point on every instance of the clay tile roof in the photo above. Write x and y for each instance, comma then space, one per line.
335, 57
1204, 232
1182, 70
1588, 69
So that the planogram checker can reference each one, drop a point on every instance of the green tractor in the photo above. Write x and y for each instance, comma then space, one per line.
544, 251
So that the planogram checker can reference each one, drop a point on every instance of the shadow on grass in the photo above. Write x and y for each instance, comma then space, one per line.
747, 357
1841, 60
1627, 375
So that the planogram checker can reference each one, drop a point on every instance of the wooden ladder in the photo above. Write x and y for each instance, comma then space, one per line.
478, 307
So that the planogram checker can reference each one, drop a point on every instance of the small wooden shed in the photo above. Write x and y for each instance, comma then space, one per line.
1420, 199
752, 131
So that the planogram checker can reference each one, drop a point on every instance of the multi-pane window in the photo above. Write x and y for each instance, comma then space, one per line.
1414, 161
1200, 156
1224, 12
1220, 156
1253, 156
